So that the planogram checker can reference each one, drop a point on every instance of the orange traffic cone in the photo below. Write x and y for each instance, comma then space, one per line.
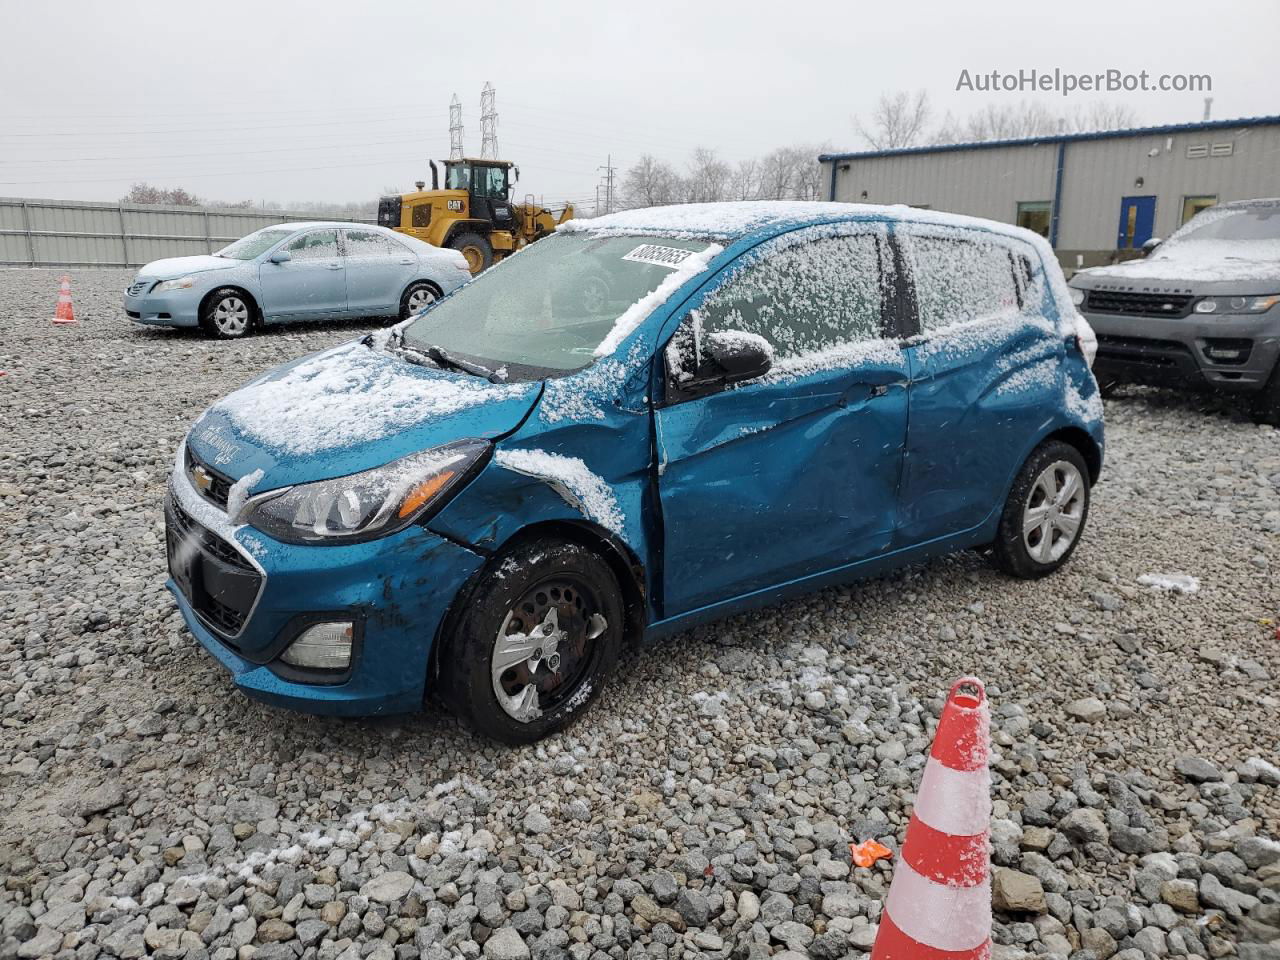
939, 904
65, 313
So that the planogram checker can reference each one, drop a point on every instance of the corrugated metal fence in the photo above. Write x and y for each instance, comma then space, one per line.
36, 233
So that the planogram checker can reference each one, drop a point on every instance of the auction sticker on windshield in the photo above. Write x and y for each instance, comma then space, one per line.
669, 257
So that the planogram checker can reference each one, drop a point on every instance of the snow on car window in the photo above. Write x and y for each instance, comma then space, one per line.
316, 245
959, 280
804, 292
366, 243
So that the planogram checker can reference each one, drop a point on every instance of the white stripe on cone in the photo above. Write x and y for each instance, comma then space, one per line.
942, 917
954, 802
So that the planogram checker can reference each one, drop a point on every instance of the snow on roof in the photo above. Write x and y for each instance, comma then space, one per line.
718, 220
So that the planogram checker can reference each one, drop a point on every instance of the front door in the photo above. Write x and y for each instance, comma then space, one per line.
379, 268
1137, 222
312, 283
797, 472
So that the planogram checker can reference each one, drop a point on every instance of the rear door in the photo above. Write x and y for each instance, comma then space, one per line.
985, 374
378, 270
796, 472
310, 284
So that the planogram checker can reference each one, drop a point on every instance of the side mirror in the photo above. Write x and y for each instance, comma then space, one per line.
733, 356
281, 256
1149, 247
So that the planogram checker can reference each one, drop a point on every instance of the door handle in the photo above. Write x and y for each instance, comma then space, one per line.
879, 390
407, 262
334, 266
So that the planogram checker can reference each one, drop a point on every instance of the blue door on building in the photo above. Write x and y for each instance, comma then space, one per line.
1137, 222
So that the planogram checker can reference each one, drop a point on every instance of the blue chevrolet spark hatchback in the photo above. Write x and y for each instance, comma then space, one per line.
646, 421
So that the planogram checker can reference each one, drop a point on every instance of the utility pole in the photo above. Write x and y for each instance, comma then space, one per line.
455, 128
1208, 105
488, 124
607, 177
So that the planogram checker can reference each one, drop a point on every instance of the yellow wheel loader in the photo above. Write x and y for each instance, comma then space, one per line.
472, 214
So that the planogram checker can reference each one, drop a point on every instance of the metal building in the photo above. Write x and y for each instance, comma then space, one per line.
1093, 195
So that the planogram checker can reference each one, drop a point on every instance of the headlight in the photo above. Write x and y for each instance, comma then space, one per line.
1237, 304
1077, 296
182, 283
368, 505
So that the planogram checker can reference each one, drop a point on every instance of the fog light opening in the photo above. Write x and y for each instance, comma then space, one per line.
322, 646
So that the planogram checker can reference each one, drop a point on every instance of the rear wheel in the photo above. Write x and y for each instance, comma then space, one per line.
537, 637
477, 250
1045, 514
226, 314
416, 298
1107, 388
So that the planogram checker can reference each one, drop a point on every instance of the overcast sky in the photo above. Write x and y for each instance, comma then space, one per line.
340, 100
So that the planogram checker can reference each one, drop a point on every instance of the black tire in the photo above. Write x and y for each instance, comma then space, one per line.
527, 582
476, 248
1266, 405
412, 293
1012, 552
227, 314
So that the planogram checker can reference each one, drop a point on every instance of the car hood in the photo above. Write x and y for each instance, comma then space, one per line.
349, 409
181, 266
1191, 263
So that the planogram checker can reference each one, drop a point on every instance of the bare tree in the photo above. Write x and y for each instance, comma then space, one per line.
650, 182
809, 181
899, 120
708, 178
146, 193
745, 184
1100, 115
1031, 119
778, 174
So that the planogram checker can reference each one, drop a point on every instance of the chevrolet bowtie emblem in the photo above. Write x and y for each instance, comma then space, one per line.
201, 478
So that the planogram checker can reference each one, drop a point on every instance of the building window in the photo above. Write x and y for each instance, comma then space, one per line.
1033, 215
1193, 205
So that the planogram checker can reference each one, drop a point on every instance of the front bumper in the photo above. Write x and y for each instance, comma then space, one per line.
1230, 353
397, 590
173, 308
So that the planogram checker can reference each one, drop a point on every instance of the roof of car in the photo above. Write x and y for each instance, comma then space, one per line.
312, 224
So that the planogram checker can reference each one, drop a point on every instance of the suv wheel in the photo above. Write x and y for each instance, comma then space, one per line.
534, 642
1266, 405
1045, 514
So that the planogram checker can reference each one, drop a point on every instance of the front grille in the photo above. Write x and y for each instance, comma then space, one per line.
1139, 304
138, 287
219, 486
221, 585
1156, 353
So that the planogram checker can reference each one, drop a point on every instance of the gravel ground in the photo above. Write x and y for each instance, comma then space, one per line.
705, 805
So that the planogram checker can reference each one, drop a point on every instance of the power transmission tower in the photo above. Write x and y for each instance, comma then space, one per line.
455, 128
488, 124
606, 185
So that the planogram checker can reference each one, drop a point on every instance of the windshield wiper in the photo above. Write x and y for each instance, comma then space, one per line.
445, 359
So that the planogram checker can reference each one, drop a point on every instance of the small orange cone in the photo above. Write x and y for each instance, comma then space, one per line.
65, 313
939, 904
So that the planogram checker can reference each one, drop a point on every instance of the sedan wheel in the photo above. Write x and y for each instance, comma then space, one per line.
227, 315
1054, 512
419, 299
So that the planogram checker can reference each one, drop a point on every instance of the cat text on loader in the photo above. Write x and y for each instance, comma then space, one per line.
472, 214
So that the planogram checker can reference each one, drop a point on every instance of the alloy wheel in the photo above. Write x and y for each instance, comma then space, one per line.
419, 299
231, 316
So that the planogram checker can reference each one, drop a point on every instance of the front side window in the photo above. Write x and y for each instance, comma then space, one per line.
962, 278
254, 245
491, 182
546, 310
805, 295
316, 245
458, 177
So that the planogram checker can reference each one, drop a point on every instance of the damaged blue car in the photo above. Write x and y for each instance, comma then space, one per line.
643, 422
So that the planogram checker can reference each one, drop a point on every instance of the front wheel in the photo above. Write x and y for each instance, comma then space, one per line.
226, 314
477, 250
1266, 405
535, 640
1045, 514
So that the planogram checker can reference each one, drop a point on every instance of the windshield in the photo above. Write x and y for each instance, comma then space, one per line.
549, 307
1246, 225
255, 244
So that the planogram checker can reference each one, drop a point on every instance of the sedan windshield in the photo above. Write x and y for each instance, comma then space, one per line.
546, 310
255, 244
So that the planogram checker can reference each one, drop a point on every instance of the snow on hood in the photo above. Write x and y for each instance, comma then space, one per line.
1199, 260
348, 409
174, 267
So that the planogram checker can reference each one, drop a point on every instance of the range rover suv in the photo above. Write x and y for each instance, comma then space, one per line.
1201, 311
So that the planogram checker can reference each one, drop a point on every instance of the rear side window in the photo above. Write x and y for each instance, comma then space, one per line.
366, 243
805, 297
962, 279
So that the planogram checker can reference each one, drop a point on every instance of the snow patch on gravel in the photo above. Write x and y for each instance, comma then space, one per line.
1174, 582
